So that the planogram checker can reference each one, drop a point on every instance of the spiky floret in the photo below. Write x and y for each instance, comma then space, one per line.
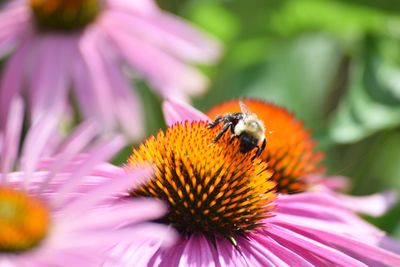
211, 189
62, 15
290, 149
24, 220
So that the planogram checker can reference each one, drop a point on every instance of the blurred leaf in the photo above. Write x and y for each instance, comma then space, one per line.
251, 51
389, 222
122, 157
299, 76
212, 17
373, 101
345, 19
171, 5
391, 6
295, 74
382, 72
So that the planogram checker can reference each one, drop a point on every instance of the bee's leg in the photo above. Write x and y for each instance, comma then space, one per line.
260, 149
233, 138
223, 130
217, 121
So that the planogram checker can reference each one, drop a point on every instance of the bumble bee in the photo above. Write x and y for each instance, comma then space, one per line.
245, 126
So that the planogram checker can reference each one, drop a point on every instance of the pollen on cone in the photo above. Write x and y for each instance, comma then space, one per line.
290, 149
211, 189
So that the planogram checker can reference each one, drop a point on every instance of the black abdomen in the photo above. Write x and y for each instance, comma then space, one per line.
247, 143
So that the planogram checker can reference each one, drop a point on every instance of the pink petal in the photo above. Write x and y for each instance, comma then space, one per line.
286, 236
356, 246
168, 33
13, 22
91, 54
331, 182
11, 137
169, 76
323, 212
178, 111
102, 152
207, 47
83, 89
366, 234
35, 143
141, 232
12, 79
50, 73
82, 135
227, 255
374, 205
197, 252
260, 256
105, 170
128, 213
279, 254
130, 180
76, 141
390, 244
128, 107
138, 6
132, 254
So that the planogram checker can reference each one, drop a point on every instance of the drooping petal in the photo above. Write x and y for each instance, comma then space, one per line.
91, 55
374, 205
170, 77
13, 23
178, 111
127, 104
11, 137
50, 75
141, 6
35, 144
169, 33
13, 78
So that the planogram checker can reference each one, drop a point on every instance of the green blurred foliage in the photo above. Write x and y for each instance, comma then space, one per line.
336, 64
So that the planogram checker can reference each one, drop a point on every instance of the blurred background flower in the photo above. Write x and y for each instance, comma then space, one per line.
85, 54
40, 207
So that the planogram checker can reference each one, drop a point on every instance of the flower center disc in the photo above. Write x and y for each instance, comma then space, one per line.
24, 221
64, 15
210, 188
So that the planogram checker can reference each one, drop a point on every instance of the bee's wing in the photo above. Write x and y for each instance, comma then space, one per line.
245, 109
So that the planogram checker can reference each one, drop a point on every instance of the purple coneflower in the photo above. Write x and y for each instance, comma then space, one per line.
290, 152
225, 207
93, 47
55, 217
